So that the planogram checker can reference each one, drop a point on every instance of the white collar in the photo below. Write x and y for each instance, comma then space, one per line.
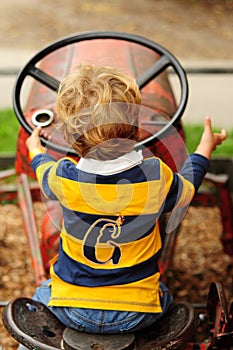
110, 167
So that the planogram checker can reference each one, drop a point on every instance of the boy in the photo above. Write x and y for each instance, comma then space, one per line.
105, 278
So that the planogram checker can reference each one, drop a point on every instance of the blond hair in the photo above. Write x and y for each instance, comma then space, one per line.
96, 108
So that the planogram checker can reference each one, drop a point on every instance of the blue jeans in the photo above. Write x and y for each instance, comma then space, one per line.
103, 321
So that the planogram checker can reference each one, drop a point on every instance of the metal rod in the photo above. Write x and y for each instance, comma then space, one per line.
3, 303
26, 205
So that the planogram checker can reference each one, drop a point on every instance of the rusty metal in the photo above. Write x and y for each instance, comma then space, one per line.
7, 173
33, 325
26, 206
220, 322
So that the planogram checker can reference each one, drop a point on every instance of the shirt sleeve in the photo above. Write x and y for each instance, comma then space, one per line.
186, 183
43, 165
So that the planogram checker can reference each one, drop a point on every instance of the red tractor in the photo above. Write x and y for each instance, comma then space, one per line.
30, 322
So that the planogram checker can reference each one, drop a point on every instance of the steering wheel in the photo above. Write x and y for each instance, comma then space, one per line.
166, 59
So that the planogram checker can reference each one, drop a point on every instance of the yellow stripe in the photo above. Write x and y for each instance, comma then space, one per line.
131, 253
100, 199
34, 152
127, 199
141, 296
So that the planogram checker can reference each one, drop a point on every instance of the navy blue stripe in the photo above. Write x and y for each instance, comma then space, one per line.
147, 171
46, 187
41, 159
174, 194
135, 227
79, 274
193, 170
37, 161
200, 166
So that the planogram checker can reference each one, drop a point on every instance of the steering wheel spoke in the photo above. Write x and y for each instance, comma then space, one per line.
154, 123
153, 71
43, 78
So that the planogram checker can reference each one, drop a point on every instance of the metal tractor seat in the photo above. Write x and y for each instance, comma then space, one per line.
33, 325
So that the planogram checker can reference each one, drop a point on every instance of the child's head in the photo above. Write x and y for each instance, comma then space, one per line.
96, 107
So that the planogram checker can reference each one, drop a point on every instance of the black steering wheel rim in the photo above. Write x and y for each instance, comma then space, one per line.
167, 59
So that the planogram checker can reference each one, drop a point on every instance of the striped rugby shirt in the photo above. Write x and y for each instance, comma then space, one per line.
110, 239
